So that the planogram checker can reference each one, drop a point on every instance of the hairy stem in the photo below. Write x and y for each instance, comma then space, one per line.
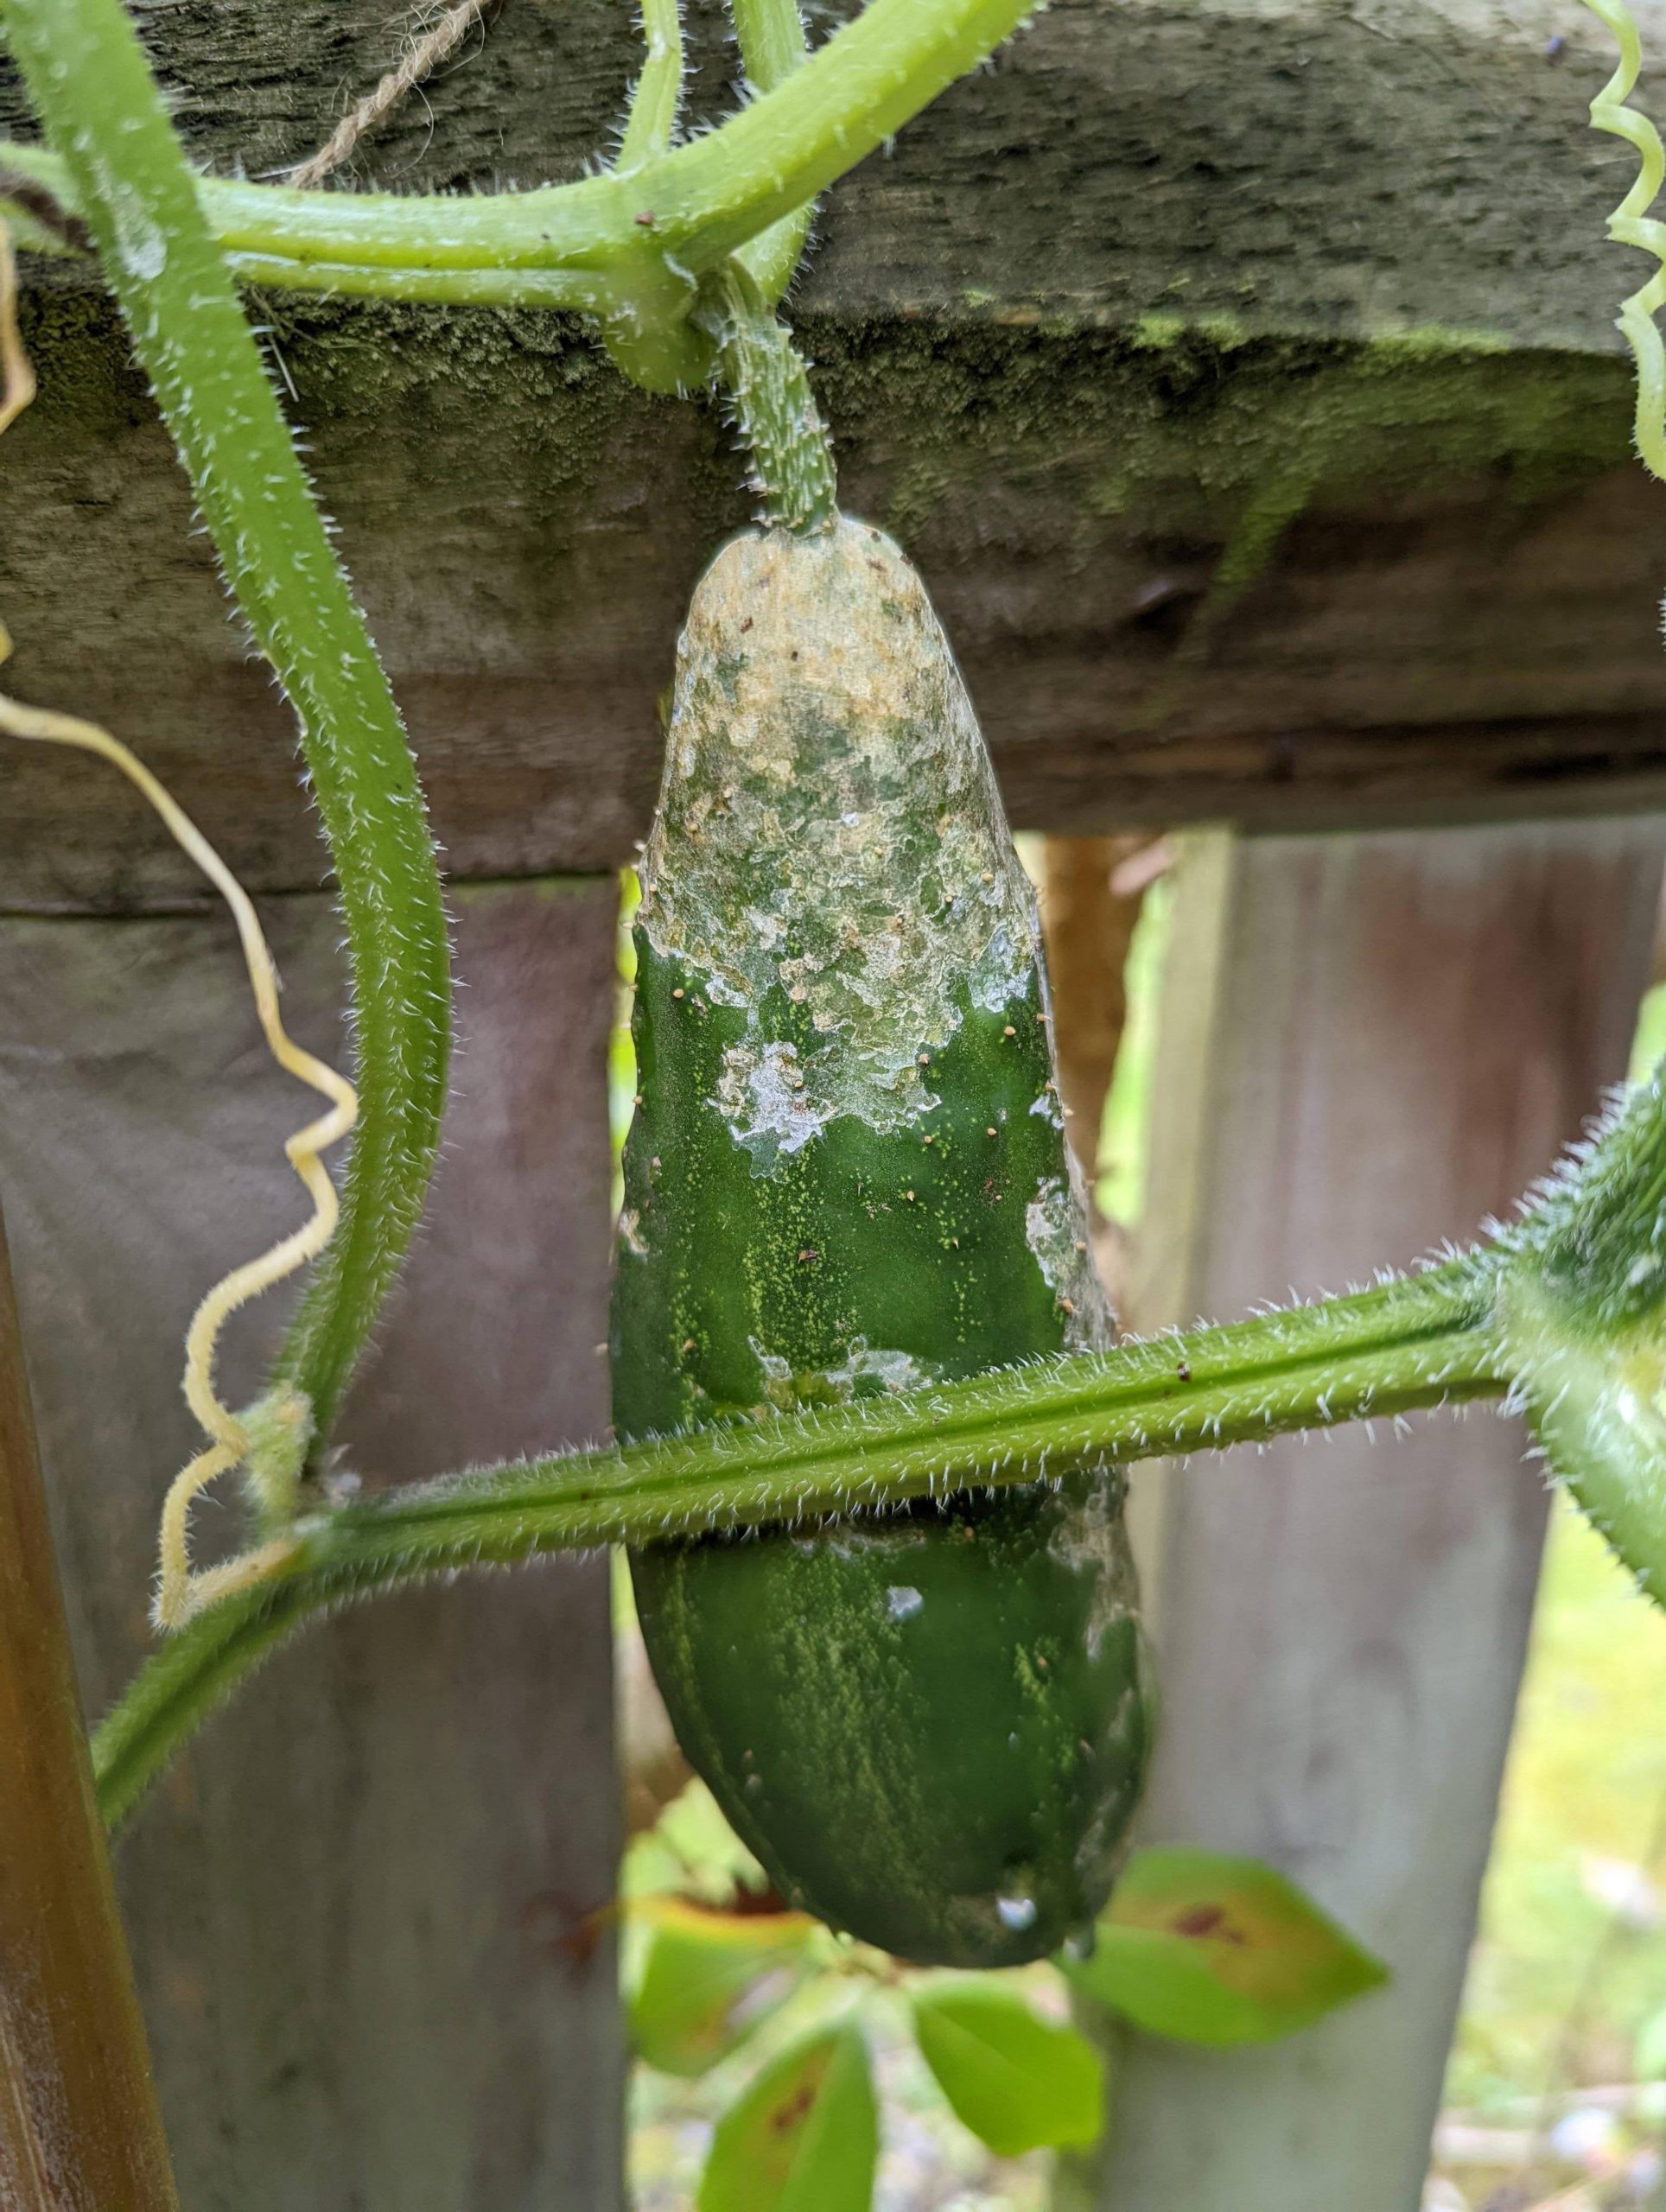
791, 459
658, 93
1422, 1342
770, 34
689, 206
89, 78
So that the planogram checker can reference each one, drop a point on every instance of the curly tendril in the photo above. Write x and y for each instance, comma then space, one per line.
268, 1439
1631, 224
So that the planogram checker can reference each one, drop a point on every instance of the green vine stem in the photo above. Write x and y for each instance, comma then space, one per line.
680, 348
770, 35
1564, 1314
1426, 1340
1582, 1313
658, 93
641, 239
775, 409
93, 89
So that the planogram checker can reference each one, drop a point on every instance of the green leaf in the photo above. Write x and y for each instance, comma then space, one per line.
709, 1978
1018, 2082
1213, 1949
692, 1853
804, 2138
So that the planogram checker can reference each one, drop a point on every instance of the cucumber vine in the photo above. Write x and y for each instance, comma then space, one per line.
627, 245
1423, 1341
681, 251
92, 85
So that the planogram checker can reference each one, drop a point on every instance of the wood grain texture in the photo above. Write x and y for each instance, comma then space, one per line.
358, 1906
1240, 380
79, 2130
1088, 923
1400, 1031
1268, 160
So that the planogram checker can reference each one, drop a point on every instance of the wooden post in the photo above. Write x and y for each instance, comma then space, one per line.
1372, 1041
361, 1906
80, 2130
1090, 926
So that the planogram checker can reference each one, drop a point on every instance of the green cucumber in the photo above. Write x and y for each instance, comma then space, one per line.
848, 1176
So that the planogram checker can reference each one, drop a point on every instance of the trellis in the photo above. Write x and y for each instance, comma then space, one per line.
1245, 387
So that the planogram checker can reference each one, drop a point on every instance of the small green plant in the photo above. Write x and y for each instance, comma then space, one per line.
1194, 1946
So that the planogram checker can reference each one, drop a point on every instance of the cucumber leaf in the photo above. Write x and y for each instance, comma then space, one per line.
1017, 2080
1212, 1949
804, 2137
692, 1852
708, 1978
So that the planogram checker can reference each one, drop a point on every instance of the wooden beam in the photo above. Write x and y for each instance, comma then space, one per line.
1416, 163
369, 1908
79, 2130
1382, 1038
1244, 386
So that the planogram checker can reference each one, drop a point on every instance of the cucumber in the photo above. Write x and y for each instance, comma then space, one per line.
848, 1176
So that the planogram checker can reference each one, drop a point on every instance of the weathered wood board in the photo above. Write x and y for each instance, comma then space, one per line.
1242, 377
80, 2127
357, 1906
1378, 1039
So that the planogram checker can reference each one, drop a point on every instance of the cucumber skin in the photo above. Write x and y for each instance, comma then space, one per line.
931, 1726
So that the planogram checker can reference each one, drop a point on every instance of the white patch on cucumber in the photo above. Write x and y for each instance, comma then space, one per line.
1055, 1229
1092, 1537
894, 1372
824, 750
765, 1100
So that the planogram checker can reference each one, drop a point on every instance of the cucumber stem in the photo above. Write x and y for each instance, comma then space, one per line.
770, 34
774, 409
659, 94
701, 201
1427, 1340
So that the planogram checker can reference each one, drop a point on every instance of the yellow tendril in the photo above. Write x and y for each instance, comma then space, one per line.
1631, 224
17, 370
277, 1427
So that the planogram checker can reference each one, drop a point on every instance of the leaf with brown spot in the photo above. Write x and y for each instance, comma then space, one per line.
1211, 1949
709, 1978
804, 2137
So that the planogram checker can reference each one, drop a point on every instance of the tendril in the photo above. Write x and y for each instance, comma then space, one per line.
1631, 224
270, 1438
17, 370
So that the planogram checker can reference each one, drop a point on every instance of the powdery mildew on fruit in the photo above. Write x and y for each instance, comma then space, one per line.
1092, 1534
866, 1371
819, 718
1055, 1228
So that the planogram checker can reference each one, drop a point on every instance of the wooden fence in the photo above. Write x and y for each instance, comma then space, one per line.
1243, 382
